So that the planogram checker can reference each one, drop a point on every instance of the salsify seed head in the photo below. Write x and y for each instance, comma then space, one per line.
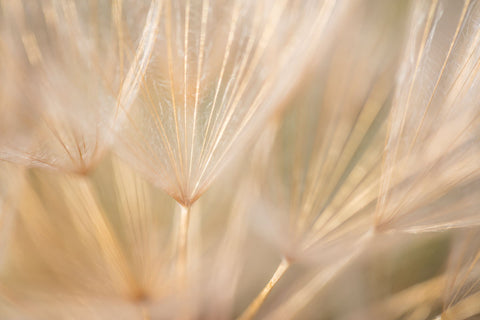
63, 65
218, 69
221, 159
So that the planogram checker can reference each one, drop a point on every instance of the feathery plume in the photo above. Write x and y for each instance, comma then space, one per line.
366, 129
11, 178
78, 243
323, 172
217, 71
462, 290
431, 168
63, 65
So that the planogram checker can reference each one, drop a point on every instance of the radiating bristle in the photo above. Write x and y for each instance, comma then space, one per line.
430, 170
83, 243
212, 80
63, 65
462, 292
324, 169
239, 159
12, 179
